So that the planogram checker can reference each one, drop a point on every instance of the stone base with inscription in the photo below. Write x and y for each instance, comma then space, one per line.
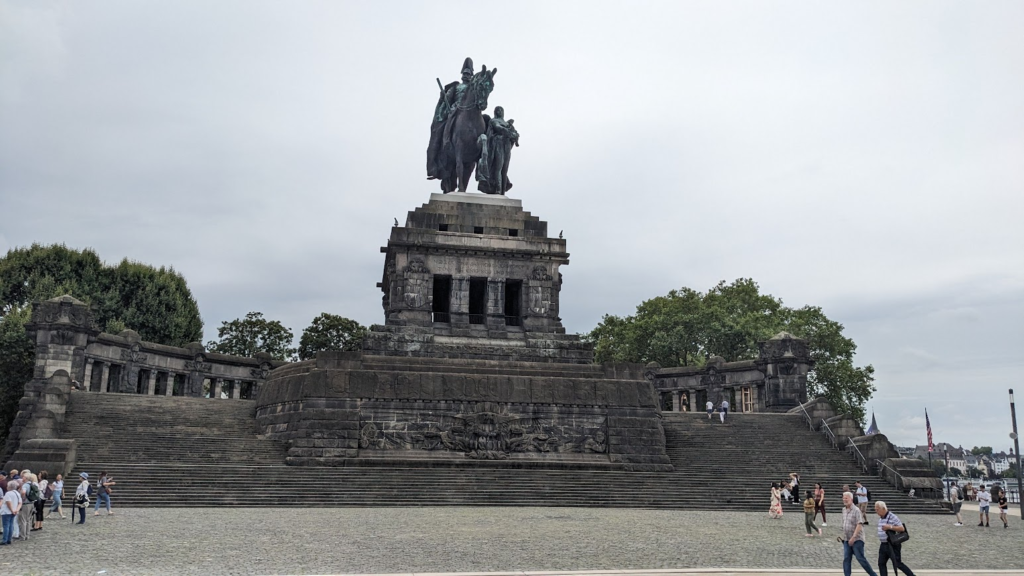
348, 408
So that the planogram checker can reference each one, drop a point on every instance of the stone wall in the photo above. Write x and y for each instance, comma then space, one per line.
347, 408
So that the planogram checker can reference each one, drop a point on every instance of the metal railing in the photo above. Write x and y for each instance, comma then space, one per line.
829, 434
810, 421
857, 454
882, 466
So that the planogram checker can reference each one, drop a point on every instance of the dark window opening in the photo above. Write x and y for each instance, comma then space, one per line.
442, 227
114, 378
478, 229
513, 302
513, 232
477, 300
161, 384
442, 298
178, 385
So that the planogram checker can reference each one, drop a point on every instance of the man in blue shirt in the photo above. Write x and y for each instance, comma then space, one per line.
889, 521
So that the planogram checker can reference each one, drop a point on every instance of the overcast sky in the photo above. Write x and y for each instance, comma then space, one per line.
864, 157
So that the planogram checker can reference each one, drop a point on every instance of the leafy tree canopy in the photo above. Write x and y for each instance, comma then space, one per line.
155, 302
686, 327
252, 334
981, 451
330, 332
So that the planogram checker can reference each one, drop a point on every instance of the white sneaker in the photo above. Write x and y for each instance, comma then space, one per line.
824, 525
958, 524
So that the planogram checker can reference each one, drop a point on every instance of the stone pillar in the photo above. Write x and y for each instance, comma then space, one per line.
215, 388
169, 388
675, 401
104, 376
151, 386
87, 379
236, 386
692, 395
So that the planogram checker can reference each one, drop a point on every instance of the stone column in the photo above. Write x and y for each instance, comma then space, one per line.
215, 388
104, 376
236, 386
87, 380
692, 395
151, 386
675, 401
169, 388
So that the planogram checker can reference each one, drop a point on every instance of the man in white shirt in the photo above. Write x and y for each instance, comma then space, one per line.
724, 411
984, 499
711, 409
862, 499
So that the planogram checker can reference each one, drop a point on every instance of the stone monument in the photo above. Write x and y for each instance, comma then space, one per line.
472, 364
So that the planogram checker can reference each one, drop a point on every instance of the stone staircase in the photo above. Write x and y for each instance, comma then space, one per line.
173, 451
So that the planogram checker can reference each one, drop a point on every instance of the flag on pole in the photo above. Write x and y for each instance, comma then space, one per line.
928, 424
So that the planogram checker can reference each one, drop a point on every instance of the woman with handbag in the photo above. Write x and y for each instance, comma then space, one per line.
891, 535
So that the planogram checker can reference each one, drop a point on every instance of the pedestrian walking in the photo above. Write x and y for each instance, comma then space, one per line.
809, 515
723, 410
103, 492
775, 509
862, 499
711, 409
82, 497
1004, 506
819, 504
10, 506
853, 537
57, 488
889, 524
29, 495
956, 498
984, 499
794, 486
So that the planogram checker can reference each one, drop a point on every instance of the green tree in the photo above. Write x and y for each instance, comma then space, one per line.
956, 472
981, 451
687, 327
973, 472
330, 332
155, 302
252, 334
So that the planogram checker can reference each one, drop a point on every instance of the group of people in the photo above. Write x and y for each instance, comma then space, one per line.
723, 409
985, 498
855, 518
25, 497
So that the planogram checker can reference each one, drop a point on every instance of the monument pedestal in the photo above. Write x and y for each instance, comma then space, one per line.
472, 363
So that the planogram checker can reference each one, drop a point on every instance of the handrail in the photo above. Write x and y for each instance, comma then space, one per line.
860, 457
810, 421
882, 465
827, 431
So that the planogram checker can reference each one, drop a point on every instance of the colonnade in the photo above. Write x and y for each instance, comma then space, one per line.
162, 382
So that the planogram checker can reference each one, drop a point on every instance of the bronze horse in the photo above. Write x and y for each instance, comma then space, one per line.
463, 129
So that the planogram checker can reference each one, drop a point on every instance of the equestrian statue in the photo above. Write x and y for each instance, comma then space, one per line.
463, 138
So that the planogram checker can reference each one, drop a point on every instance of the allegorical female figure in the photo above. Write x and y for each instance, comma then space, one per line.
496, 153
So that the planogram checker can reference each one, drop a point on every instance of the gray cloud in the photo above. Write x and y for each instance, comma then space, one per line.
863, 157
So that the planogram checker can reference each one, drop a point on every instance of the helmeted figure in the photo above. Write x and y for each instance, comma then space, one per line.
496, 153
458, 122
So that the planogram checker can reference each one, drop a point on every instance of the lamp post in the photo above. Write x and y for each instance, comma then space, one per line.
1016, 448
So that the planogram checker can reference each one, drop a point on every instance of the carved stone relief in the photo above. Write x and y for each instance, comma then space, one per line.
486, 432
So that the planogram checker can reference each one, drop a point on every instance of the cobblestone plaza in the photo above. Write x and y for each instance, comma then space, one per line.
434, 539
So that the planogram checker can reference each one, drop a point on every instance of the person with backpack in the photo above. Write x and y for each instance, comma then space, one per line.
956, 498
103, 492
862, 499
82, 497
45, 493
30, 494
890, 532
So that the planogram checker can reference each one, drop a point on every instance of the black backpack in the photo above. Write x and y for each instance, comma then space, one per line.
868, 490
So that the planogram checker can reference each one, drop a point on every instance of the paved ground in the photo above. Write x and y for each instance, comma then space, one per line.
405, 540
